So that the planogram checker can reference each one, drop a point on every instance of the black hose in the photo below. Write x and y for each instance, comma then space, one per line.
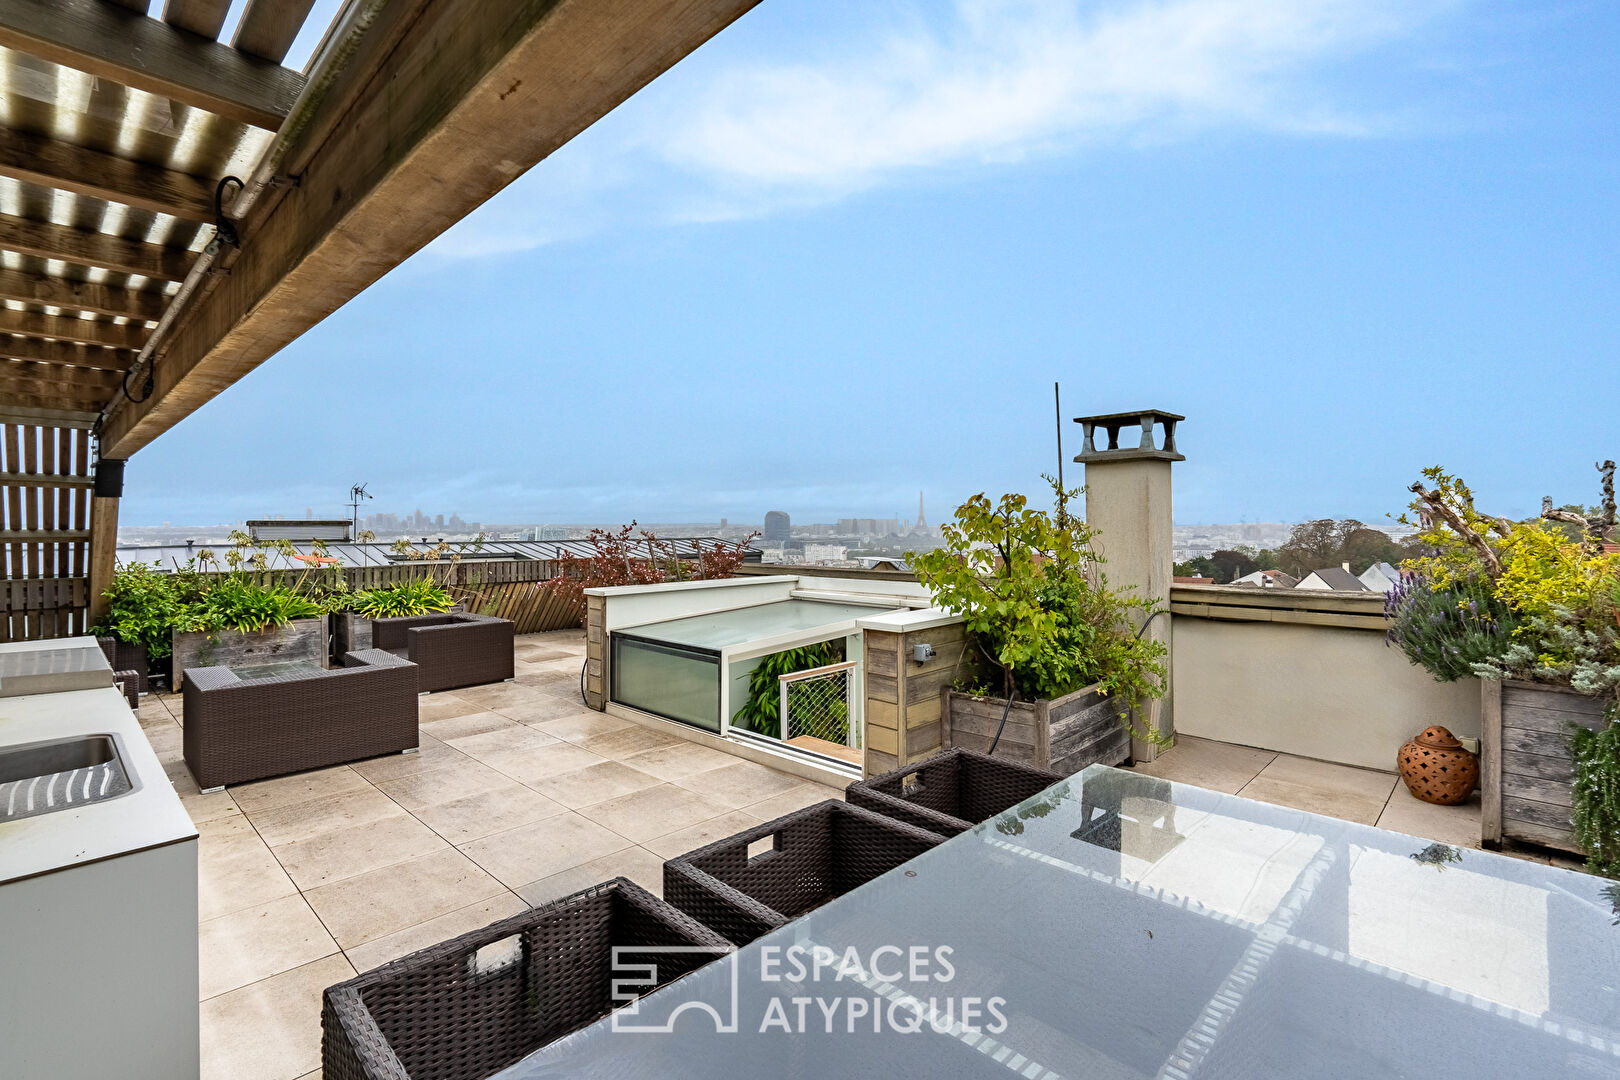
583, 668
1003, 725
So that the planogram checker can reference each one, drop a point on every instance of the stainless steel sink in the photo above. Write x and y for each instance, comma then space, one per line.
39, 778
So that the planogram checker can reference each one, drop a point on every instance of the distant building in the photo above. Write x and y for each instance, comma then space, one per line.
281, 529
825, 553
1193, 580
1268, 579
883, 562
1380, 577
777, 529
1336, 578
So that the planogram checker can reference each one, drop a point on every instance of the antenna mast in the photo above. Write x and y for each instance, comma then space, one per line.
356, 494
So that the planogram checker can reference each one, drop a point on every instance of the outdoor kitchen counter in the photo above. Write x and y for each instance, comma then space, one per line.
148, 816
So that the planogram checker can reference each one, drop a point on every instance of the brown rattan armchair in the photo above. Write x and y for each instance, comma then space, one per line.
236, 729
469, 1007
817, 854
451, 650
129, 667
950, 792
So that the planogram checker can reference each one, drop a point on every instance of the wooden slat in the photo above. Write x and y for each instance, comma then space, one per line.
14, 463
473, 94
201, 17
12, 413
52, 163
55, 480
51, 241
66, 406
64, 353
47, 503
149, 55
1491, 762
70, 383
143, 305
269, 27
38, 536
65, 328
30, 522
1236, 613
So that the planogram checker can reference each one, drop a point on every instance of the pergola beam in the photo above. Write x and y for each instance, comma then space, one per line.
269, 27
201, 17
470, 95
36, 159
50, 241
65, 352
143, 305
64, 328
81, 382
116, 44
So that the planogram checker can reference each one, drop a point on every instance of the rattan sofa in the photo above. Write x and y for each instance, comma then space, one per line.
817, 854
451, 650
237, 729
449, 1013
952, 791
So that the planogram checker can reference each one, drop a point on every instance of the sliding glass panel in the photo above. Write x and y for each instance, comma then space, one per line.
671, 681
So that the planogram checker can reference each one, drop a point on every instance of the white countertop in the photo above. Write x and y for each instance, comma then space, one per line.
148, 816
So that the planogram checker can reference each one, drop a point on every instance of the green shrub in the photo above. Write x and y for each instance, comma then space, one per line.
144, 608
1038, 611
1448, 630
239, 604
420, 597
762, 712
1596, 803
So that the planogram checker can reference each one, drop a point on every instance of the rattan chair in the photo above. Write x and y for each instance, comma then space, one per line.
816, 854
950, 792
236, 729
129, 667
469, 1007
449, 651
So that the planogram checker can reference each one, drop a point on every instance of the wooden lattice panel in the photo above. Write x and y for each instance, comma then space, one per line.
45, 482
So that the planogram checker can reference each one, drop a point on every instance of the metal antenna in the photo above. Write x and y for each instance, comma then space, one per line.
356, 493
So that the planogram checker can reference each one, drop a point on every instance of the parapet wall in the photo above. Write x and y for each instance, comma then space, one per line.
1304, 672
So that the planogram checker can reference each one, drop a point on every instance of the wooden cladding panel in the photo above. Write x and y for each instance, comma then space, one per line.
46, 592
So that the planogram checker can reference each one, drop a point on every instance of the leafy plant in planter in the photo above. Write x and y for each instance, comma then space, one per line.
626, 556
423, 596
1597, 794
248, 607
144, 607
1031, 592
1448, 630
762, 712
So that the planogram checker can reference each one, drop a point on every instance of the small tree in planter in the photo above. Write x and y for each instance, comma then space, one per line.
1533, 607
1039, 615
144, 606
624, 556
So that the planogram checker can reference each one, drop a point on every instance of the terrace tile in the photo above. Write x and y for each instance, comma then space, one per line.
209, 807
675, 844
793, 799
465, 724
298, 788
489, 811
345, 853
455, 781
443, 706
257, 942
631, 740
432, 754
582, 724
654, 811
678, 761
544, 707
531, 852
1213, 765
531, 766
1455, 825
300, 821
636, 863
235, 868
269, 1030
513, 738
372, 905
433, 931
495, 696
740, 783
593, 784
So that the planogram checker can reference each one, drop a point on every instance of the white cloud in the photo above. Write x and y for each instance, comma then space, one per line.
982, 82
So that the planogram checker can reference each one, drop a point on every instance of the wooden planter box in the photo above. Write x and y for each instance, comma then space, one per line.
301, 639
1063, 735
349, 633
1526, 771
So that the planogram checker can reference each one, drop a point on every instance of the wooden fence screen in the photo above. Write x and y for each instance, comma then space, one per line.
45, 482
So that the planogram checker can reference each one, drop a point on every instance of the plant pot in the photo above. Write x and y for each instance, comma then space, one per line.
1527, 770
350, 632
301, 639
1062, 735
1436, 768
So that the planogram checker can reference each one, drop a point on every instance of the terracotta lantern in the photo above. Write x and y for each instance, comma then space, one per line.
1437, 768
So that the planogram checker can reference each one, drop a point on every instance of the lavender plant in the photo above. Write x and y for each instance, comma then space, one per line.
1449, 630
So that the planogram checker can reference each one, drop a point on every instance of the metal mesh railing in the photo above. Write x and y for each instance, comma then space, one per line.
816, 704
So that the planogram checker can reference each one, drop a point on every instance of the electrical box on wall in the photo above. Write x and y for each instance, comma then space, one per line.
922, 653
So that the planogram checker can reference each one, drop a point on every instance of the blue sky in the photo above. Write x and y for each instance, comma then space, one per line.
842, 251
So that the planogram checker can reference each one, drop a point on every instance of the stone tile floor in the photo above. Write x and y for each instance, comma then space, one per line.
1367, 796
519, 794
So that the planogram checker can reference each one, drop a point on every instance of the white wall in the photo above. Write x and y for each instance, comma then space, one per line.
637, 605
1328, 692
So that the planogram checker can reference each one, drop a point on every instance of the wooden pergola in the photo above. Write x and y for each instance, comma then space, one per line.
137, 281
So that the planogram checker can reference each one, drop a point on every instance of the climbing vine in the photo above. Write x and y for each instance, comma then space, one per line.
1596, 811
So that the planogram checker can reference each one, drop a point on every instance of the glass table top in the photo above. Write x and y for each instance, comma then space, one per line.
1118, 927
